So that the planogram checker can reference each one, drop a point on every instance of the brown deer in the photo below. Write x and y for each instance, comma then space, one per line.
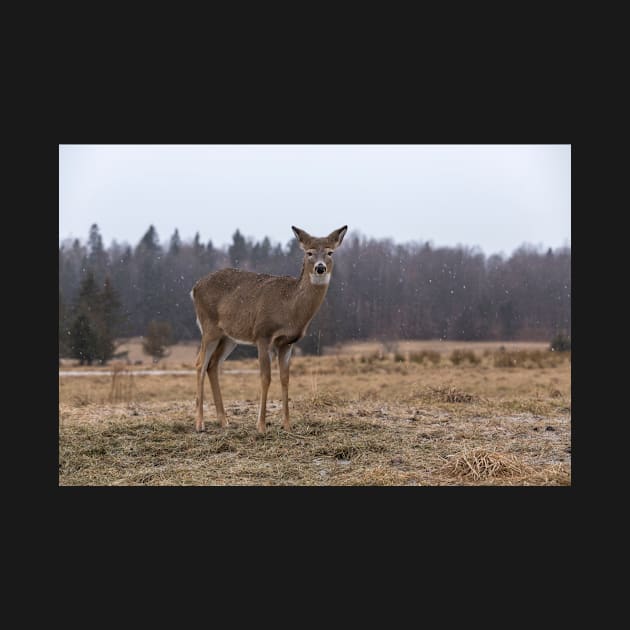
271, 312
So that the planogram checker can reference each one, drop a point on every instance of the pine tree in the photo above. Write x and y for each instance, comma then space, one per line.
210, 257
238, 250
106, 320
63, 336
159, 335
175, 244
83, 340
149, 243
97, 259
149, 280
94, 321
88, 300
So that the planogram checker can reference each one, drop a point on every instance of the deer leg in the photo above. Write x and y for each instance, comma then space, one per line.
264, 362
220, 354
284, 359
203, 358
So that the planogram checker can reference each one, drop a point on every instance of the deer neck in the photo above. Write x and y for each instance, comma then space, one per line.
309, 296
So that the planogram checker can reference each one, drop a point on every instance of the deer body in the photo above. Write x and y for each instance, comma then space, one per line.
272, 312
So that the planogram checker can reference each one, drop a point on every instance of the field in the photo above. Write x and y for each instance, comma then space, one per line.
408, 413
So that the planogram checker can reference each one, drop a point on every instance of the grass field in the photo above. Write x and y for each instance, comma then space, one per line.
413, 413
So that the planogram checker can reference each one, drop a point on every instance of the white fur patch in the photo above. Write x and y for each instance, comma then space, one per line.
210, 348
227, 351
319, 279
287, 356
241, 342
192, 297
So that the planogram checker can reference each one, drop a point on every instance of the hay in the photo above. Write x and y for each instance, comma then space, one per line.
448, 395
484, 464
320, 400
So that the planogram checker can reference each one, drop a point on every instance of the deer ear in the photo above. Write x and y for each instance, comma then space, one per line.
301, 235
337, 236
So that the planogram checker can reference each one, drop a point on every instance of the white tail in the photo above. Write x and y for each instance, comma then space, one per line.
271, 312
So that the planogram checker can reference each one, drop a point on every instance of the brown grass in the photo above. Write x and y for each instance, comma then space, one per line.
397, 424
482, 464
449, 395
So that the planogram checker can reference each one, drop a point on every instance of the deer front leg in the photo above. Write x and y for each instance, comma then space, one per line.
284, 359
264, 362
203, 358
220, 354
199, 424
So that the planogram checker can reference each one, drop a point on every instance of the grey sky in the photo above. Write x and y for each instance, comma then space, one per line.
496, 197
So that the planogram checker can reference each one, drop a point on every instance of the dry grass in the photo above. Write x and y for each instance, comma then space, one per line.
482, 464
353, 424
449, 395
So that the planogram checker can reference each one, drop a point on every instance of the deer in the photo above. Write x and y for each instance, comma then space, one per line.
235, 306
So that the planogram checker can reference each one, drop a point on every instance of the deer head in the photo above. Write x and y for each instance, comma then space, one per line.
318, 261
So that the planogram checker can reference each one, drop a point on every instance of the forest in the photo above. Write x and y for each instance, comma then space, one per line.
380, 290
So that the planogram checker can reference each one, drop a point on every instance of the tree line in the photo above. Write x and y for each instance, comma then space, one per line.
381, 290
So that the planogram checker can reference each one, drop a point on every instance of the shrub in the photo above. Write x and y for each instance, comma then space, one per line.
560, 343
459, 356
429, 355
526, 358
159, 336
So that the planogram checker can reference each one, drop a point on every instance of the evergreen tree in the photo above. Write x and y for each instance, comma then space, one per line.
211, 257
63, 330
97, 258
197, 246
150, 294
94, 321
88, 301
175, 244
159, 335
238, 250
149, 243
83, 340
106, 321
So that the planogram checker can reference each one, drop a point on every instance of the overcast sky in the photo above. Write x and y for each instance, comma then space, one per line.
496, 197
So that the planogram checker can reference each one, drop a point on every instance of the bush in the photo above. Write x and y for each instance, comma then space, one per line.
430, 355
159, 336
560, 343
527, 359
459, 356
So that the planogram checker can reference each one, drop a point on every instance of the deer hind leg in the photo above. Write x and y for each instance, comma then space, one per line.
208, 346
284, 359
223, 350
264, 361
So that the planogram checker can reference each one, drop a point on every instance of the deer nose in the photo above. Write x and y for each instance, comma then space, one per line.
320, 268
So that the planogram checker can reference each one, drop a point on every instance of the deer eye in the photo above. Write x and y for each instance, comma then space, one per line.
310, 254
330, 253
